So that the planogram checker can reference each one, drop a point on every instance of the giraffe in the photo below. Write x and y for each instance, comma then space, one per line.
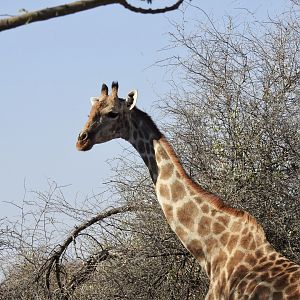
229, 244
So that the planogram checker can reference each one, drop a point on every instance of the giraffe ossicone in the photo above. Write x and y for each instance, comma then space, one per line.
229, 244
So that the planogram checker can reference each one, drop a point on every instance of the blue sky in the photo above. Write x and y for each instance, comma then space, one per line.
50, 69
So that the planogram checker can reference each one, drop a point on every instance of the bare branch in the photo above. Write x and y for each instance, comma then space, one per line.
74, 7
54, 261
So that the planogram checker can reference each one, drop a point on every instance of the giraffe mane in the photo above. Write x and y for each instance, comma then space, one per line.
148, 120
216, 201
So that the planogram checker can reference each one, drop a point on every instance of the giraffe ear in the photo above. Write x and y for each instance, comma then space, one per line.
131, 99
94, 100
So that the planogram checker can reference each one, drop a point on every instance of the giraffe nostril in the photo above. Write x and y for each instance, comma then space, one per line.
83, 136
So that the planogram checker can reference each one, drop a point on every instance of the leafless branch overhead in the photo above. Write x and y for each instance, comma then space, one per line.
74, 7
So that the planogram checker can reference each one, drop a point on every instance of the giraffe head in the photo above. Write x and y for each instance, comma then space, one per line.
107, 119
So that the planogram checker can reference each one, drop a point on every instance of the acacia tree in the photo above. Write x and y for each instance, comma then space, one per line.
75, 7
126, 252
46, 256
238, 107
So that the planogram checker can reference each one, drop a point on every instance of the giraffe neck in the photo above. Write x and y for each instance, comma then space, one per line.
142, 134
221, 238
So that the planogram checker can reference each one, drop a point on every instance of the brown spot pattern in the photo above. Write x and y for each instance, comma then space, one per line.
261, 293
291, 289
195, 248
281, 282
252, 245
236, 226
164, 191
217, 228
205, 208
258, 253
234, 261
193, 192
204, 226
250, 259
161, 154
210, 244
213, 212
224, 220
239, 273
187, 214
166, 171
219, 261
245, 230
275, 270
245, 241
296, 276
224, 238
232, 242
168, 210
177, 191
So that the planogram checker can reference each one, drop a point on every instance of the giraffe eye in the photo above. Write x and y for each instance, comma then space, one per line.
112, 114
